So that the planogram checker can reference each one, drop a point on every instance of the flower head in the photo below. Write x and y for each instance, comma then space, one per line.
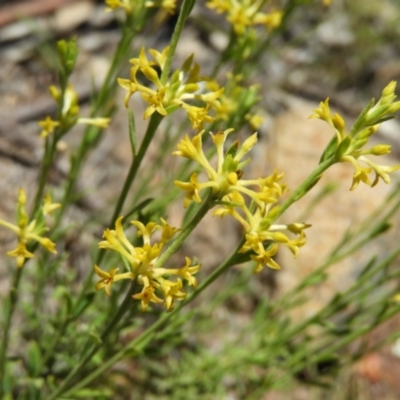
123, 4
30, 231
180, 91
262, 237
157, 285
242, 14
48, 126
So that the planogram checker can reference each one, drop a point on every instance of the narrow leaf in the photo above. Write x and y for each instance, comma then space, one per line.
132, 132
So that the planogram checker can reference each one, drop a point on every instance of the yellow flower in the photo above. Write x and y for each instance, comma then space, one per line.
114, 4
99, 122
70, 100
49, 206
27, 231
48, 126
262, 238
271, 20
147, 296
165, 98
242, 14
109, 277
226, 178
157, 284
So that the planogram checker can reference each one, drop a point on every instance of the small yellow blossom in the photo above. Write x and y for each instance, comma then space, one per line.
156, 282
242, 14
49, 206
271, 21
69, 101
48, 126
109, 277
99, 122
114, 4
28, 231
182, 87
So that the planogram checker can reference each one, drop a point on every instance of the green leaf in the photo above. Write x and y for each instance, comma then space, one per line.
90, 393
83, 304
388, 118
232, 150
360, 121
190, 212
343, 147
132, 132
95, 337
138, 208
34, 358
330, 149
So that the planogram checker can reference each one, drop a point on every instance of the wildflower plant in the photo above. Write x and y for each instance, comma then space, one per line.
132, 302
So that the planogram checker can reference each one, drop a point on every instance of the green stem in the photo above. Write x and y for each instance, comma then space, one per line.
151, 129
183, 14
101, 99
13, 297
95, 347
305, 187
148, 137
177, 243
48, 157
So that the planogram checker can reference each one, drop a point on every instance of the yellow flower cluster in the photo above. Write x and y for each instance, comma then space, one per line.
28, 231
242, 14
183, 86
349, 145
262, 237
69, 113
157, 287
114, 4
127, 5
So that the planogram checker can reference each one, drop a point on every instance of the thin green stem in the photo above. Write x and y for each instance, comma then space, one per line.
183, 14
50, 150
102, 98
137, 161
149, 135
177, 243
12, 300
305, 186
95, 347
